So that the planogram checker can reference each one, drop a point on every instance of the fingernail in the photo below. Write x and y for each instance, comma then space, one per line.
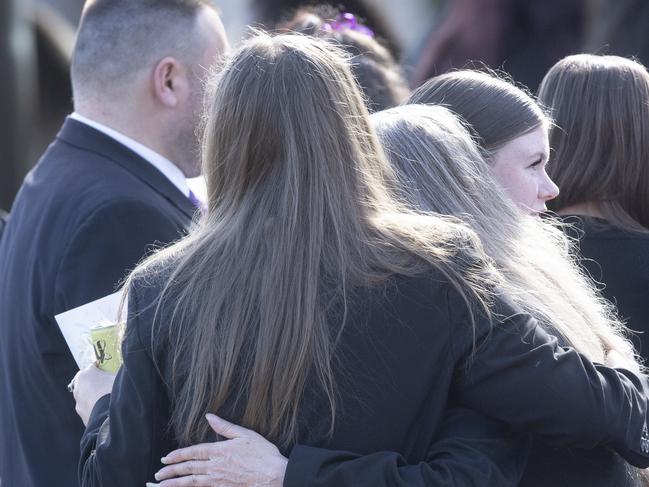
164, 460
151, 484
212, 417
157, 476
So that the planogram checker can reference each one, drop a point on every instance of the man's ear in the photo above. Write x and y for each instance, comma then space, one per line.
169, 82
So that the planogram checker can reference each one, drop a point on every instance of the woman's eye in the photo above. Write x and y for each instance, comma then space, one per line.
536, 163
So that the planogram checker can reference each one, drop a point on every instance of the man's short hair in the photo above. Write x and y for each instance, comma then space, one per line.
117, 38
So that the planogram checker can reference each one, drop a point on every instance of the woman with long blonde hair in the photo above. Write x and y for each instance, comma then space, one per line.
312, 306
441, 169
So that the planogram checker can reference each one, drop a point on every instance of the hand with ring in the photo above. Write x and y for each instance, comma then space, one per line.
245, 459
88, 386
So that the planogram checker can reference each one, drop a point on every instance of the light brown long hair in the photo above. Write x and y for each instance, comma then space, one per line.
440, 169
299, 214
600, 106
496, 109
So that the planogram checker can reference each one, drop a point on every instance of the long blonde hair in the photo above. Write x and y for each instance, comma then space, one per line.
299, 215
440, 169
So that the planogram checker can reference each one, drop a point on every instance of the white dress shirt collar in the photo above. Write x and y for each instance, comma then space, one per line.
162, 164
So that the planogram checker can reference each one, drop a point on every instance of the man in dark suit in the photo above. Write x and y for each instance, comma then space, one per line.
110, 186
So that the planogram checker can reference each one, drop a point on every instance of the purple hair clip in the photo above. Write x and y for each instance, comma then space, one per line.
347, 21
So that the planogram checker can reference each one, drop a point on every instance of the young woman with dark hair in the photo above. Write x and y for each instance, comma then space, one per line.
510, 127
600, 144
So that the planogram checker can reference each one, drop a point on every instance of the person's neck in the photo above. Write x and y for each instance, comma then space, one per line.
587, 208
126, 125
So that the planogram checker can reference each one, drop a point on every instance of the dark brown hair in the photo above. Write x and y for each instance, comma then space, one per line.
497, 110
600, 106
377, 72
270, 14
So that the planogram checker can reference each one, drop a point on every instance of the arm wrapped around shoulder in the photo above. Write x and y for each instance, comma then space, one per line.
519, 374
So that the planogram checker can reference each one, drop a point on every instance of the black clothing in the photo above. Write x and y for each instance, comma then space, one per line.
84, 216
566, 467
471, 450
620, 260
402, 359
550, 465
621, 253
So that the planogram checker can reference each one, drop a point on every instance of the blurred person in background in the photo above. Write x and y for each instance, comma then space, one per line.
377, 72
111, 185
618, 28
521, 37
271, 14
4, 216
18, 94
600, 144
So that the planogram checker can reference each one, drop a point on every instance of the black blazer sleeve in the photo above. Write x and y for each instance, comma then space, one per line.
520, 375
126, 433
472, 450
110, 241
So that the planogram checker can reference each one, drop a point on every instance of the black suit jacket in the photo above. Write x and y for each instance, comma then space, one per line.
620, 260
402, 361
84, 216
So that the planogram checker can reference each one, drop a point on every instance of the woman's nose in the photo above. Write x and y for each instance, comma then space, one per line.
548, 189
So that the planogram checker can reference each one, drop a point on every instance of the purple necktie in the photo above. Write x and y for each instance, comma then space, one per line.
198, 204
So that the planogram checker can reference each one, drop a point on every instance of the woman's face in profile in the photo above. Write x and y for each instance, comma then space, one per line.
519, 167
